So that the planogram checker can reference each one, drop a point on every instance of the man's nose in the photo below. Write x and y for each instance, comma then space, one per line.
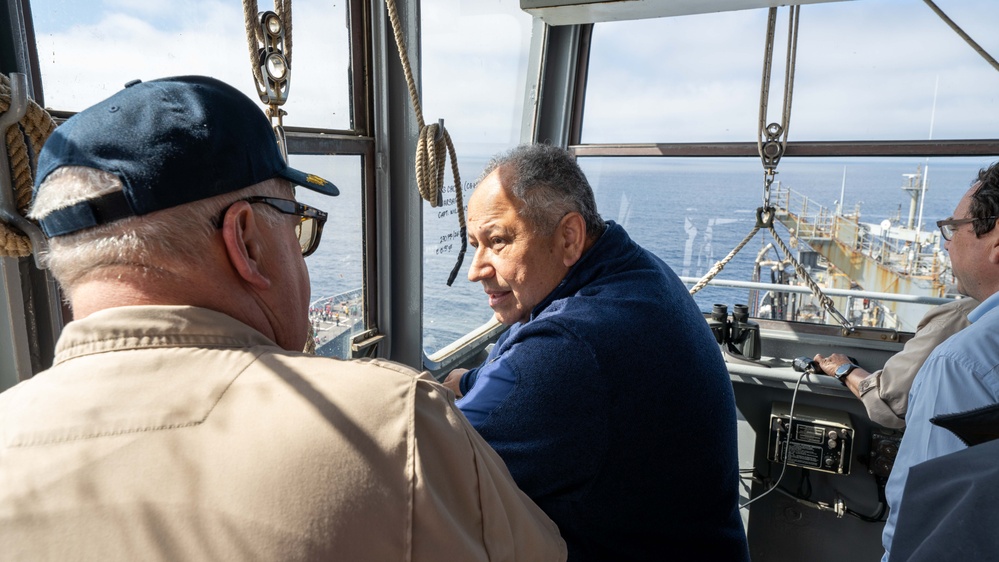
479, 269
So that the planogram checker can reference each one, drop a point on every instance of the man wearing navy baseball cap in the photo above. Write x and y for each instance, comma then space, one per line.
181, 421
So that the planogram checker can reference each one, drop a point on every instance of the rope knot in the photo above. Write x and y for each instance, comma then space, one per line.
23, 143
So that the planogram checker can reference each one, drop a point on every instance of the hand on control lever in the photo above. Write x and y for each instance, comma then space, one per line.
805, 365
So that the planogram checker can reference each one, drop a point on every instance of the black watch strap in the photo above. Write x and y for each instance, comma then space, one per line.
844, 371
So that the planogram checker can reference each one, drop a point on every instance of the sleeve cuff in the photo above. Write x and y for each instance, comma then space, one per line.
468, 381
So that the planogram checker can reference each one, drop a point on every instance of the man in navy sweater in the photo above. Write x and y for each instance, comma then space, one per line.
607, 397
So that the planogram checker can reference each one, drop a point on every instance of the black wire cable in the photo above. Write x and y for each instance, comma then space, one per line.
790, 421
878, 517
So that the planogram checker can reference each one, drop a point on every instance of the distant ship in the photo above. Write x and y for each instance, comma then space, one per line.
334, 321
843, 253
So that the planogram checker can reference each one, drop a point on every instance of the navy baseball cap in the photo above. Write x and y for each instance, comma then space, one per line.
170, 141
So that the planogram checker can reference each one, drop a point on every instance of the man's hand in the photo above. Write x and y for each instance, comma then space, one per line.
831, 363
453, 381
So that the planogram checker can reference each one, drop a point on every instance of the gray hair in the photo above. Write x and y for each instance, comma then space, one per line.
551, 184
173, 239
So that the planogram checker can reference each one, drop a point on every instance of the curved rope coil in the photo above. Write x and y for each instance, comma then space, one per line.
23, 144
432, 148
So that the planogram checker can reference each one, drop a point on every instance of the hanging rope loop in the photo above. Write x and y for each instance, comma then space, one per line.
430, 159
23, 142
432, 147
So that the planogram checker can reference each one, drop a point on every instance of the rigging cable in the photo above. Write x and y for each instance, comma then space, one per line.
430, 148
771, 143
772, 139
23, 144
776, 134
967, 38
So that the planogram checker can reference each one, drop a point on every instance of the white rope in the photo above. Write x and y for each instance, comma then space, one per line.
34, 128
432, 147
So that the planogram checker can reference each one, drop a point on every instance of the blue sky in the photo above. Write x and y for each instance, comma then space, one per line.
867, 69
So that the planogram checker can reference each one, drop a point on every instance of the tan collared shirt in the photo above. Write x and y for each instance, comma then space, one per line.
885, 393
179, 433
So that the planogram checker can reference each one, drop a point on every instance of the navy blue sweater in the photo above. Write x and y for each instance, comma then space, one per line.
621, 420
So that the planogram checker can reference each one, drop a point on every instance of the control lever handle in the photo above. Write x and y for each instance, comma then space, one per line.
806, 365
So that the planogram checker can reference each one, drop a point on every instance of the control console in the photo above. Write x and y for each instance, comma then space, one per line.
817, 439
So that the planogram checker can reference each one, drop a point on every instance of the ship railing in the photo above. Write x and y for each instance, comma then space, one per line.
811, 220
814, 221
348, 296
894, 297
924, 259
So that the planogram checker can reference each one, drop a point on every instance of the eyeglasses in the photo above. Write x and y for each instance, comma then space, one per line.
947, 229
309, 229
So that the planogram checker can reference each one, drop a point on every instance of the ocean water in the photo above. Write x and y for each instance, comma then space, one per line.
689, 212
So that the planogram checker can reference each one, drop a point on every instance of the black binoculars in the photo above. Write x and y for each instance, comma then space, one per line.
740, 334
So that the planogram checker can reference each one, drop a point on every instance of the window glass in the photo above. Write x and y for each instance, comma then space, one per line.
474, 60
693, 212
336, 268
89, 50
867, 70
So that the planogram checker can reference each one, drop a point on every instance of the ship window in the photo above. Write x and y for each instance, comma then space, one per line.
865, 71
336, 268
692, 212
87, 51
474, 57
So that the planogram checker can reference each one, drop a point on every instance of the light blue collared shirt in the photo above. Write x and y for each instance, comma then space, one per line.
961, 374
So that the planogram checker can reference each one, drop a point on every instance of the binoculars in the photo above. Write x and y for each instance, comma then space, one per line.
739, 334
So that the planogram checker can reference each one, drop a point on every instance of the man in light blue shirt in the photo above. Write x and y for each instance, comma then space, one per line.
963, 372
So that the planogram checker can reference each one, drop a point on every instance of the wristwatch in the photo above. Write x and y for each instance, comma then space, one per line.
843, 370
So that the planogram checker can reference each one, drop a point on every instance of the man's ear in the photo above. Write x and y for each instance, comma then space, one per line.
572, 238
244, 244
994, 249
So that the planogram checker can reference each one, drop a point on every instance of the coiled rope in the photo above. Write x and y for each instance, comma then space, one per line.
432, 148
23, 144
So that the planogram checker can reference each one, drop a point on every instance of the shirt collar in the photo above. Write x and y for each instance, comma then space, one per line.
987, 305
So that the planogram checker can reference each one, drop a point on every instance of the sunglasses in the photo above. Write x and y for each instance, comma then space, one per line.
947, 229
309, 228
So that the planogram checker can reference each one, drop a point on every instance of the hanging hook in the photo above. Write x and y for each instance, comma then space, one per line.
440, 130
